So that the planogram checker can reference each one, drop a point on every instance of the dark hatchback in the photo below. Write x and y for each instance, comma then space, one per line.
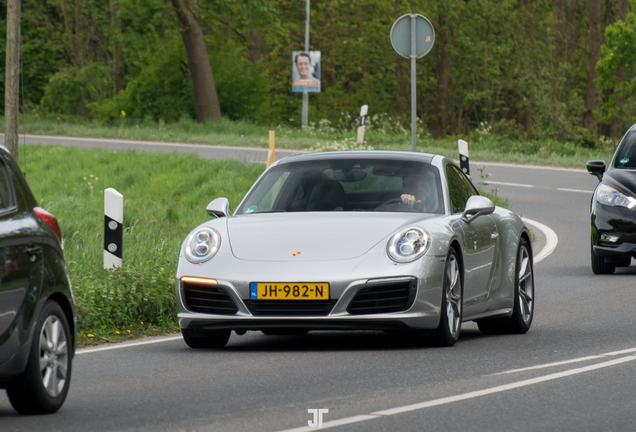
37, 312
613, 208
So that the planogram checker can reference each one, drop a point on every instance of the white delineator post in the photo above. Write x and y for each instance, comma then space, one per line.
463, 156
363, 119
113, 228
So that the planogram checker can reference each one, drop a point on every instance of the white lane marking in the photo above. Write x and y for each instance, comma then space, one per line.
509, 184
126, 345
469, 395
576, 360
547, 365
625, 351
334, 423
535, 167
551, 239
576, 190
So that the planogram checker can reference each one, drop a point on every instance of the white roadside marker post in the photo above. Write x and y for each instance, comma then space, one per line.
463, 156
113, 228
363, 119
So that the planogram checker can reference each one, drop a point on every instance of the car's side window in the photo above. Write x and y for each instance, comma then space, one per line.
6, 197
459, 188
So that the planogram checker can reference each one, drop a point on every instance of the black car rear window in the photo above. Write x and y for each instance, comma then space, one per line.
626, 153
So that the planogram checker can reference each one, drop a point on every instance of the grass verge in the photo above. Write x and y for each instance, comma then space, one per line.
164, 198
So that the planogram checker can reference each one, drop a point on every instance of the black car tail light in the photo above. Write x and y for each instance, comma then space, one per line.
50, 220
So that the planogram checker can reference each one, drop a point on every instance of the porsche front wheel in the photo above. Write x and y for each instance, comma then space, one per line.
212, 339
450, 324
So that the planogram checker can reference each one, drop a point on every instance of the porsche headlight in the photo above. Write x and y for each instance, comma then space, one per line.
201, 245
613, 198
408, 245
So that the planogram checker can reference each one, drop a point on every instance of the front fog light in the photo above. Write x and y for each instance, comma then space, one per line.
201, 245
612, 238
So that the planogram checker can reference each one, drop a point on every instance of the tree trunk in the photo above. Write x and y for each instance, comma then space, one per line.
118, 64
12, 74
205, 97
592, 100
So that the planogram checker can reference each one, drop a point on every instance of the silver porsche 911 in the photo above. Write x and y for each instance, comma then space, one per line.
393, 241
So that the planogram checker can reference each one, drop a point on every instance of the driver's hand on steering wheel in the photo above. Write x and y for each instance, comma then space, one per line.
409, 200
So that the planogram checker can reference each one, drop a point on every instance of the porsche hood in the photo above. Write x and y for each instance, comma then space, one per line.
316, 236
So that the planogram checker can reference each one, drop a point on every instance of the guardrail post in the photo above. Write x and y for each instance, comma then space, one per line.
361, 125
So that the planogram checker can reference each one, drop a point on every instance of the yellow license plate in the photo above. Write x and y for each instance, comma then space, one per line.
289, 291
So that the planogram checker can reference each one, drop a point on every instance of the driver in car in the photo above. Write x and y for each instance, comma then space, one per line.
415, 189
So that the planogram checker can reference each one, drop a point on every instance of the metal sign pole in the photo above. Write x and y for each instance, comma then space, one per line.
305, 112
413, 88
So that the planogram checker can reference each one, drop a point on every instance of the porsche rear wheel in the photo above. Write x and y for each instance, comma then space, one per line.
450, 324
599, 266
211, 339
523, 311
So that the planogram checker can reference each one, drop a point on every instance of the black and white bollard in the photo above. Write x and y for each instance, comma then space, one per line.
113, 228
363, 119
463, 156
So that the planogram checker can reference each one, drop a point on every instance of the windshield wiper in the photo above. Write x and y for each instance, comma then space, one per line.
270, 211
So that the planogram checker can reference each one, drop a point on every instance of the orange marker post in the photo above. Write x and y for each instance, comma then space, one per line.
271, 158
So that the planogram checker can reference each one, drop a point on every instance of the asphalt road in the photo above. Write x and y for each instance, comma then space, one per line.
574, 370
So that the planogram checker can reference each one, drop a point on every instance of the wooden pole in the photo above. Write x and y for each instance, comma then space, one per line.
12, 74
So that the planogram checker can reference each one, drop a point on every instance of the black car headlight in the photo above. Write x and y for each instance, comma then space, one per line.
408, 245
611, 197
201, 245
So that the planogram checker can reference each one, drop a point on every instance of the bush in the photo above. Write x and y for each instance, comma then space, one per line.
63, 94
108, 300
162, 90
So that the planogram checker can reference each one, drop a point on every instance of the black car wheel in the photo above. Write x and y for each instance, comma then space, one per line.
450, 324
43, 386
599, 266
211, 339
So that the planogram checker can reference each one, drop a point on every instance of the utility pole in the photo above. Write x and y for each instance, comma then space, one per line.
305, 111
12, 76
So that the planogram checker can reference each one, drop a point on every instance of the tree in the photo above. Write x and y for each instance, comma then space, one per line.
205, 97
592, 99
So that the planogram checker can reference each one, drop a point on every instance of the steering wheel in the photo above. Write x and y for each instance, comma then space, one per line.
417, 207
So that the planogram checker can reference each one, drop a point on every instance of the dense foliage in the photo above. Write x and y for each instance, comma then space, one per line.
516, 68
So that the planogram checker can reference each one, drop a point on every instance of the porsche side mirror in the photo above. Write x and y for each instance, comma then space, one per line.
219, 207
476, 206
596, 167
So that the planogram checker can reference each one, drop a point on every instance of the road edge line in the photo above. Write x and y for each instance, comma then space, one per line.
552, 240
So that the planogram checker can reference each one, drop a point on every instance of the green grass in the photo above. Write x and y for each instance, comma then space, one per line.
382, 134
164, 197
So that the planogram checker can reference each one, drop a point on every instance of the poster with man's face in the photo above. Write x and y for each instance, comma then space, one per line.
306, 71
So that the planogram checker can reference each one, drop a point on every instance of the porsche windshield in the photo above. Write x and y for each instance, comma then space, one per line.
347, 185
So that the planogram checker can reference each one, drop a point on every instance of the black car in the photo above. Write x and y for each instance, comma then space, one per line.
37, 312
613, 208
